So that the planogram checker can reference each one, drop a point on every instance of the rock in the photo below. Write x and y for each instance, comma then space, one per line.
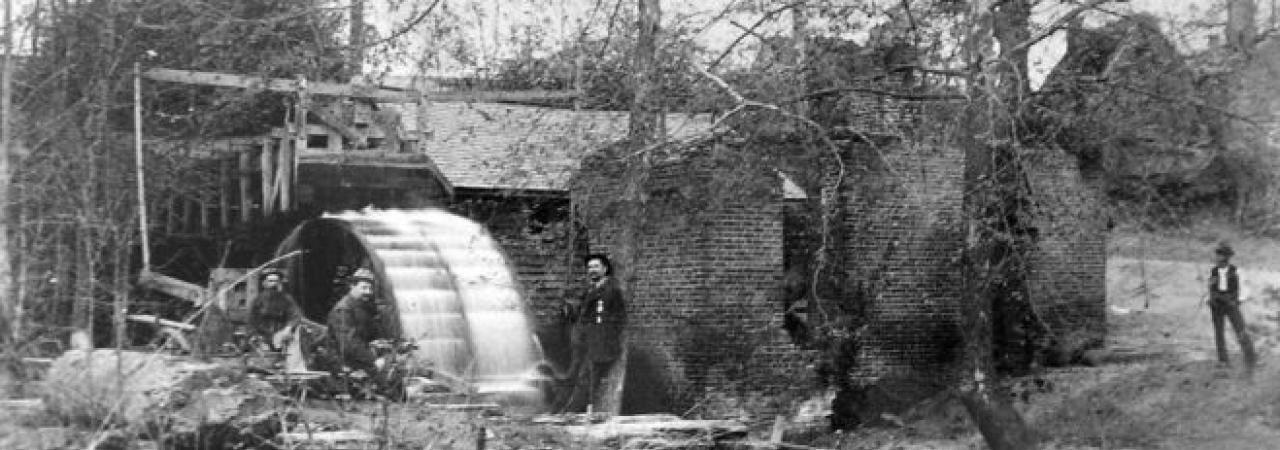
1094, 357
137, 388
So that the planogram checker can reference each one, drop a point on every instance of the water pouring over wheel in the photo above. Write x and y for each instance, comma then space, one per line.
442, 282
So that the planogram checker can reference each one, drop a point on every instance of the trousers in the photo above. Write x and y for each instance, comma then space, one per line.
1221, 309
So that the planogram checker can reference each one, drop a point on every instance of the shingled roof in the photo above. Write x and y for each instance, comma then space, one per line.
500, 146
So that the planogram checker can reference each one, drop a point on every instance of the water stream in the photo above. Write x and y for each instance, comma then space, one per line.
454, 291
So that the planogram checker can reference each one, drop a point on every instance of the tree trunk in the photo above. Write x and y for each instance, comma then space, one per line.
355, 62
8, 307
800, 44
1242, 30
645, 125
996, 245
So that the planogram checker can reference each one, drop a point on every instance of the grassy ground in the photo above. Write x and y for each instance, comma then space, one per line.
1160, 387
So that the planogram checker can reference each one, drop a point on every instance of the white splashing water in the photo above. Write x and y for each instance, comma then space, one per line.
455, 293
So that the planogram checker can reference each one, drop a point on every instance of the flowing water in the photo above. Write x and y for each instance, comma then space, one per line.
454, 291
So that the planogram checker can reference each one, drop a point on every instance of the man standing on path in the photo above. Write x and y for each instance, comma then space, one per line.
1224, 303
598, 324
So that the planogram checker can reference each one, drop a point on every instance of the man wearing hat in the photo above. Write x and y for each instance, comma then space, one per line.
1224, 302
273, 309
353, 325
598, 324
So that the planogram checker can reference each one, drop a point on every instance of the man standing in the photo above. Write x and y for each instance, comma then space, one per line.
353, 325
273, 309
1224, 302
598, 324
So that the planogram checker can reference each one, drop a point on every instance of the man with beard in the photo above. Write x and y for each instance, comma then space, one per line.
273, 309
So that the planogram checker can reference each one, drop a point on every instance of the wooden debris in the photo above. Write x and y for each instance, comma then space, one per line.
129, 387
329, 440
657, 425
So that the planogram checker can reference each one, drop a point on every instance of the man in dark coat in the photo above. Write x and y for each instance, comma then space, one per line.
598, 323
353, 324
1224, 303
273, 309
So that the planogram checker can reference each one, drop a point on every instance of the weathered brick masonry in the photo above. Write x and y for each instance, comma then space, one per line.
1068, 272
703, 281
904, 237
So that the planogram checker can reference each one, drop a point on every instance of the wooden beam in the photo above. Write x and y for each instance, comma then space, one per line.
171, 286
502, 96
374, 93
230, 80
148, 318
337, 125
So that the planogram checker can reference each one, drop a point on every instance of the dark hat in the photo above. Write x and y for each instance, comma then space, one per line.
1224, 249
362, 274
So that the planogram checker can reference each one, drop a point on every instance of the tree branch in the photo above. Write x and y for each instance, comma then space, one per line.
408, 26
763, 19
1056, 25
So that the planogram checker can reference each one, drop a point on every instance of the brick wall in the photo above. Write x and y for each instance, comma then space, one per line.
904, 234
1068, 272
902, 239
703, 282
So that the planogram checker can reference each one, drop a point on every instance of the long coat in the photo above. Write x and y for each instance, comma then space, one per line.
352, 326
601, 319
271, 311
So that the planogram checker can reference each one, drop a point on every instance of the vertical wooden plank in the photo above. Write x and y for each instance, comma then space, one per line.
204, 215
284, 175
246, 197
289, 154
268, 177
224, 193
171, 216
187, 220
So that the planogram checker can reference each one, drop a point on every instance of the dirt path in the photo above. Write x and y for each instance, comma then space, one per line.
1159, 306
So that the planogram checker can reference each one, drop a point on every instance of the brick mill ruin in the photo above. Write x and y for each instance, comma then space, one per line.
715, 289
739, 260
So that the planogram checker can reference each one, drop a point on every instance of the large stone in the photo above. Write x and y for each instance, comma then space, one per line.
135, 388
